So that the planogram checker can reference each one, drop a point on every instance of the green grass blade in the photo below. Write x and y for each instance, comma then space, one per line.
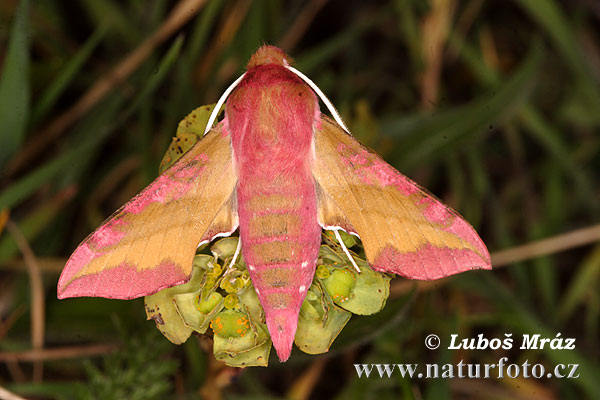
584, 282
110, 13
27, 185
552, 18
14, 86
514, 315
545, 133
68, 73
427, 136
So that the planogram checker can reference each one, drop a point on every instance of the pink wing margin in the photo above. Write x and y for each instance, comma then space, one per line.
149, 243
404, 229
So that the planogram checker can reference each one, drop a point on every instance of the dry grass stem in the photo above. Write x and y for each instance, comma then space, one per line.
301, 25
544, 247
304, 385
60, 353
502, 258
38, 318
227, 32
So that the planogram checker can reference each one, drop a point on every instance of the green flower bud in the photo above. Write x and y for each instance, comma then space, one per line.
369, 294
230, 324
208, 304
339, 284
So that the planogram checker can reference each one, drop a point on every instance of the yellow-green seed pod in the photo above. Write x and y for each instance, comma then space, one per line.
231, 302
322, 272
339, 284
230, 324
208, 304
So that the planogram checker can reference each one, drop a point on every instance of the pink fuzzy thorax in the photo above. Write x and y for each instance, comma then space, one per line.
271, 116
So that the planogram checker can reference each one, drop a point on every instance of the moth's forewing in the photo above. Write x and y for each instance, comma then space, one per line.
404, 230
149, 244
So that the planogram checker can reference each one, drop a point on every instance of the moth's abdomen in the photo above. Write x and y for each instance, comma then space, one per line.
279, 232
280, 243
271, 116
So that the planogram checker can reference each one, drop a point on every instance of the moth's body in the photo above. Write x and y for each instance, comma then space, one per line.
279, 170
271, 117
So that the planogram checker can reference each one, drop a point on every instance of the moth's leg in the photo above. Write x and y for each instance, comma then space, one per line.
339, 238
235, 256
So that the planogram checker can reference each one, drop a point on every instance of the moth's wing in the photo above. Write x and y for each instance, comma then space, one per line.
149, 244
404, 230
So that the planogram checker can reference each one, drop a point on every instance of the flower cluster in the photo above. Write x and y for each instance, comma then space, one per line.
220, 297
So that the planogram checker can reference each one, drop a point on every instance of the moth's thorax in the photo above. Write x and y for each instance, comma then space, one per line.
271, 117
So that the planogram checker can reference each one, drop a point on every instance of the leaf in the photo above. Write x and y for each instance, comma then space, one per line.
319, 322
161, 308
14, 86
364, 329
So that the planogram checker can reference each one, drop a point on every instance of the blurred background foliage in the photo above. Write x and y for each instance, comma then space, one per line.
492, 105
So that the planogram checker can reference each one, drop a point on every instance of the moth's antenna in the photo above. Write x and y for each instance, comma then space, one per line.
314, 87
215, 111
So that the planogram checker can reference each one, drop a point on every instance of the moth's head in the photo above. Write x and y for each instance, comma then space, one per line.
269, 55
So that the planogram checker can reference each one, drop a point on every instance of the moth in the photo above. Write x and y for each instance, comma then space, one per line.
280, 171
